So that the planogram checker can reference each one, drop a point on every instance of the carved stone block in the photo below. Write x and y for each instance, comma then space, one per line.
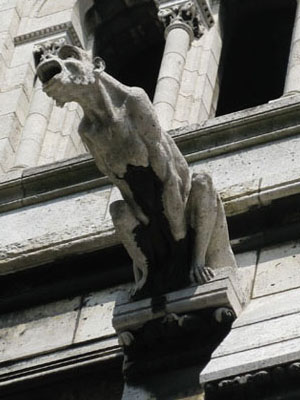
184, 326
222, 291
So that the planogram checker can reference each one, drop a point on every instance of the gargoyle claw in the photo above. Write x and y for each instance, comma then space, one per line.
201, 275
125, 339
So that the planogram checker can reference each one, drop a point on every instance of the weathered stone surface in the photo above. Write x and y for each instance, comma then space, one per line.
246, 272
96, 315
34, 230
6, 47
9, 21
38, 330
49, 8
250, 360
241, 197
258, 161
35, 222
265, 334
292, 78
58, 360
260, 334
278, 269
270, 307
7, 4
223, 291
162, 205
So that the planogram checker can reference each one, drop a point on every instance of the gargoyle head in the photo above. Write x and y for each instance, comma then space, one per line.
65, 70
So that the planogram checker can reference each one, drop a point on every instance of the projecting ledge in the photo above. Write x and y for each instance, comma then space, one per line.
177, 331
222, 291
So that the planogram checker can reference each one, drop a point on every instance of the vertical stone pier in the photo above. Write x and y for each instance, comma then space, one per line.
34, 130
292, 83
183, 22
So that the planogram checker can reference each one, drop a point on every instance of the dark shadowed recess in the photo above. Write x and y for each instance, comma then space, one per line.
99, 381
256, 42
80, 274
130, 38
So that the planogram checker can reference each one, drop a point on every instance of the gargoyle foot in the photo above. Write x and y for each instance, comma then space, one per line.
137, 292
126, 339
201, 274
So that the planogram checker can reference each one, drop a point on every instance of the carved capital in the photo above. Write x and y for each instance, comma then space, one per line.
188, 16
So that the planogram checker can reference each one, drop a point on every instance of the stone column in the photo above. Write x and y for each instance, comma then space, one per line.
292, 82
183, 23
34, 129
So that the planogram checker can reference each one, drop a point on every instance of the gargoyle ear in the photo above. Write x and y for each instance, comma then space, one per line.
37, 54
99, 64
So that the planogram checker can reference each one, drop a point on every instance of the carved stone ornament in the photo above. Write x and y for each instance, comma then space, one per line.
185, 16
172, 225
277, 382
173, 340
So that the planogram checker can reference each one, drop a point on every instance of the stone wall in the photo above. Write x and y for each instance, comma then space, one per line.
54, 204
33, 130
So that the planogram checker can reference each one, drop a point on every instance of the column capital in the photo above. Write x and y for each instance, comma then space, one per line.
192, 15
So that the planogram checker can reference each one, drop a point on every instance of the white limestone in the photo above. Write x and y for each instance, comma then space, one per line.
278, 269
265, 334
68, 74
239, 363
196, 101
177, 44
258, 335
10, 20
247, 263
10, 129
229, 169
6, 154
292, 84
35, 230
222, 291
38, 330
34, 130
59, 360
96, 315
270, 307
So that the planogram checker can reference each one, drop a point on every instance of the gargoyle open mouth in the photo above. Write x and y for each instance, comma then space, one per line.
48, 70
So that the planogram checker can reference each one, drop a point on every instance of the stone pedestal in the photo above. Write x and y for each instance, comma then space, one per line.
168, 338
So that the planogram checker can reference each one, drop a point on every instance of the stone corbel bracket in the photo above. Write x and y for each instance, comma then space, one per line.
195, 15
222, 291
167, 330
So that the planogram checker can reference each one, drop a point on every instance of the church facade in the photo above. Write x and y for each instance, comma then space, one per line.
224, 79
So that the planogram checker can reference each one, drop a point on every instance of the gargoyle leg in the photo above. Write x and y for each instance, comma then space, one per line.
125, 223
207, 218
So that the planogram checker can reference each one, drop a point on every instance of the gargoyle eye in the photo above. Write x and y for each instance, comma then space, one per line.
68, 52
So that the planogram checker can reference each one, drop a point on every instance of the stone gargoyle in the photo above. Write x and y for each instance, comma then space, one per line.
172, 224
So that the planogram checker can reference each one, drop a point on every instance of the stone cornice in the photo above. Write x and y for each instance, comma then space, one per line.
266, 383
218, 136
46, 32
60, 361
215, 137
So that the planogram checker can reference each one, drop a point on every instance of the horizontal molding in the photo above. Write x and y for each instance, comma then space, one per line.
40, 366
238, 200
50, 30
215, 137
267, 383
